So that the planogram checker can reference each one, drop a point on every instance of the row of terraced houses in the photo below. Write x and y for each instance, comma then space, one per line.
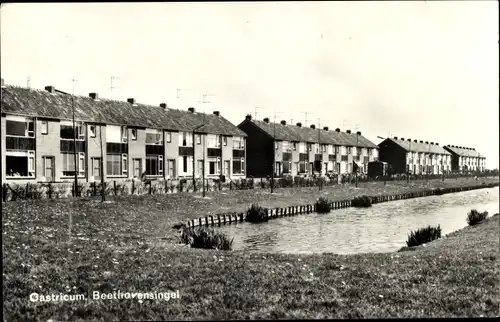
39, 141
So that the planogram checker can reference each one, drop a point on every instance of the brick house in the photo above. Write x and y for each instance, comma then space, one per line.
414, 156
465, 159
295, 149
37, 139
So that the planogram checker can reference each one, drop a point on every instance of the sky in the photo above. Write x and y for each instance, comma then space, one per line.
420, 70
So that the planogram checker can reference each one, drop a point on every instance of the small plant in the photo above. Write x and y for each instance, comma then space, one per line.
362, 201
438, 191
256, 214
207, 238
474, 217
423, 235
322, 205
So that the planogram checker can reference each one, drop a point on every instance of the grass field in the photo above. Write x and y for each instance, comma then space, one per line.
114, 246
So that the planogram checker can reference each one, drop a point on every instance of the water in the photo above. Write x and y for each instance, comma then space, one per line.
383, 227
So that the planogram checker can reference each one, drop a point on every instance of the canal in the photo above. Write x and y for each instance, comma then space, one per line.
383, 227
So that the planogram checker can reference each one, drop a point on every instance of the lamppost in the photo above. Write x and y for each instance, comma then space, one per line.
274, 152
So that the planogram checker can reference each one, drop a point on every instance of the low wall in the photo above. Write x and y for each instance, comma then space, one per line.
271, 213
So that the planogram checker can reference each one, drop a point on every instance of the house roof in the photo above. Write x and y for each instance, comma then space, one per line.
412, 146
464, 152
307, 134
41, 103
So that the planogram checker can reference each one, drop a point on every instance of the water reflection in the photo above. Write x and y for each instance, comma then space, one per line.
381, 228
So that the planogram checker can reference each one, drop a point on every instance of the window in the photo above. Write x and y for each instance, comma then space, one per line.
198, 139
81, 164
134, 134
68, 133
16, 128
20, 165
68, 164
116, 164
349, 149
184, 164
276, 145
213, 141
184, 139
154, 138
309, 147
238, 143
124, 133
324, 149
31, 129
295, 146
48, 168
168, 136
337, 149
44, 128
302, 167
224, 140
287, 167
92, 131
214, 166
154, 165
171, 168
239, 166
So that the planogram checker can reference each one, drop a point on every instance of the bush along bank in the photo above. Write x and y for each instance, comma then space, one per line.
474, 217
269, 213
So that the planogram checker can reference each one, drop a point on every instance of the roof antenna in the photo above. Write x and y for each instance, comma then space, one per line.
111, 87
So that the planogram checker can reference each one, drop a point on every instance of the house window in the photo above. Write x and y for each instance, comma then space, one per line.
20, 164
154, 165
68, 132
224, 140
44, 127
68, 164
213, 141
124, 133
287, 167
184, 139
30, 129
238, 143
81, 164
169, 136
92, 131
198, 139
136, 163
133, 133
309, 147
171, 168
116, 164
337, 149
154, 138
239, 166
295, 146
214, 166
276, 145
349, 149
302, 167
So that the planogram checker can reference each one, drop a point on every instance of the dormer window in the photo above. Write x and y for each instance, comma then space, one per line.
133, 133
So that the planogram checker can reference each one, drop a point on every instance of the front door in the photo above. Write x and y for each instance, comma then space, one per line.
96, 168
49, 168
137, 168
227, 170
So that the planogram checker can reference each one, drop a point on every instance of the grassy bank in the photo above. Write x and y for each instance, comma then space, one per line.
150, 216
455, 276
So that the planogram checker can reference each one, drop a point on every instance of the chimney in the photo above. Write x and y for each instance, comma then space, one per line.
248, 117
3, 83
437, 143
337, 130
191, 109
426, 142
299, 124
325, 128
163, 105
217, 113
283, 122
416, 141
432, 143
50, 89
348, 131
402, 139
94, 96
313, 126
395, 138
409, 140
266, 119
131, 100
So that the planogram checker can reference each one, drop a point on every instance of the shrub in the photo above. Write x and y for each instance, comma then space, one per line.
362, 201
256, 214
203, 237
322, 205
474, 217
438, 191
423, 235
